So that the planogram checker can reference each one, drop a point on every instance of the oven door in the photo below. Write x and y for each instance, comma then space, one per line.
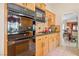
20, 47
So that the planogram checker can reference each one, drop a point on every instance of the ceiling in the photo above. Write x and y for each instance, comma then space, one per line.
63, 7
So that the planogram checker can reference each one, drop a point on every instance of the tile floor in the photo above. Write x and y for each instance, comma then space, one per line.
64, 51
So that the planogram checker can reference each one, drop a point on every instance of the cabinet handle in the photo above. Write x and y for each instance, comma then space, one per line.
43, 44
26, 4
45, 37
23, 3
39, 39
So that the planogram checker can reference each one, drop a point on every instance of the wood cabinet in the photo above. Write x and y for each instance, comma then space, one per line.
30, 6
42, 45
45, 45
51, 42
41, 6
39, 48
51, 18
20, 4
56, 40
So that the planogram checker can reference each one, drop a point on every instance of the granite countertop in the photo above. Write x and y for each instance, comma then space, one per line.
47, 33
11, 40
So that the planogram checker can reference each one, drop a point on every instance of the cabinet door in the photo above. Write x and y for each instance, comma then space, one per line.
39, 51
41, 6
31, 6
51, 18
47, 16
58, 39
50, 43
20, 4
45, 45
52, 40
55, 42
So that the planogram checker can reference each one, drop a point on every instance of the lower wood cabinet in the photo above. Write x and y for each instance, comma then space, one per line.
51, 42
46, 43
58, 39
39, 49
42, 45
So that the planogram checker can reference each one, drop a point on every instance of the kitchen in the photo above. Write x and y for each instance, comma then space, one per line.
39, 29
30, 31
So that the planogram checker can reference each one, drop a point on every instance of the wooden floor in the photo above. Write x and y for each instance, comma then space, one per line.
64, 51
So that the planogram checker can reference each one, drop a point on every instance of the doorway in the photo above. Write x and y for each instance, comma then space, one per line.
70, 30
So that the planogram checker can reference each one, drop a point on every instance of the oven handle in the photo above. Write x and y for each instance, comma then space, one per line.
20, 41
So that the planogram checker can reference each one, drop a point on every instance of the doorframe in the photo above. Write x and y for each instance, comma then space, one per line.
5, 30
78, 28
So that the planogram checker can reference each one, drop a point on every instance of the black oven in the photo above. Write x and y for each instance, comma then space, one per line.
19, 34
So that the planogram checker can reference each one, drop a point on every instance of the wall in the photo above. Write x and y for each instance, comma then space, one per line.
1, 29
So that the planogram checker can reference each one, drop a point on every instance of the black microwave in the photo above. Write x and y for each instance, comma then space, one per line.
39, 15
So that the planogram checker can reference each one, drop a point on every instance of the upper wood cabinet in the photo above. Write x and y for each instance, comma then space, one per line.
51, 18
41, 6
30, 6
20, 4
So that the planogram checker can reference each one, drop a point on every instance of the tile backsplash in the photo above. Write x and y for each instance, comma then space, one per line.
40, 27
